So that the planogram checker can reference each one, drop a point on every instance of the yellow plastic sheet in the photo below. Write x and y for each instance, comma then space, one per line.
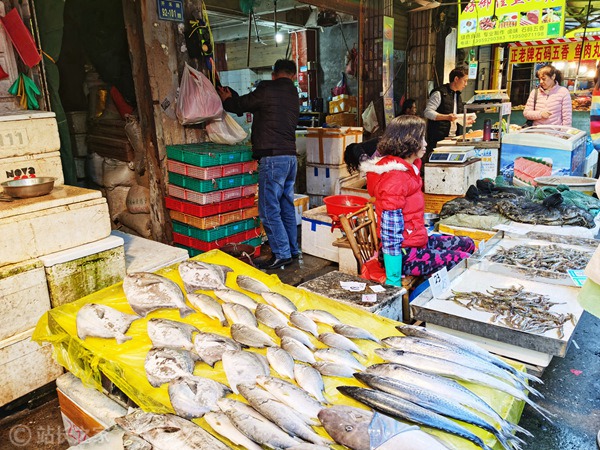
123, 363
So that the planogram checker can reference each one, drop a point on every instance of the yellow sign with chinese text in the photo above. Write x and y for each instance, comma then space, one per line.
510, 21
569, 51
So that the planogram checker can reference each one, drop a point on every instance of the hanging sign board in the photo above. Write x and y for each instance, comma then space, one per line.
511, 20
170, 10
555, 50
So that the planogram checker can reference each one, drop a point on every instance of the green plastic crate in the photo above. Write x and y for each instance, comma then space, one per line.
217, 232
255, 242
207, 154
217, 184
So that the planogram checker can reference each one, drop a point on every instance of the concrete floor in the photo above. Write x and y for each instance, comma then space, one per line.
573, 396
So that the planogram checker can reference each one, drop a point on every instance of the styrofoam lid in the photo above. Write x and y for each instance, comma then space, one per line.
82, 251
8, 116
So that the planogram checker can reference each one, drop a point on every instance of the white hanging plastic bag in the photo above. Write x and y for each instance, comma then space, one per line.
225, 130
198, 100
369, 117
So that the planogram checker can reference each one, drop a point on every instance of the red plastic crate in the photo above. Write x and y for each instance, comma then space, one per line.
211, 197
209, 173
206, 246
193, 209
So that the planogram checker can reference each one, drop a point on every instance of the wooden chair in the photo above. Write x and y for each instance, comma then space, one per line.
360, 228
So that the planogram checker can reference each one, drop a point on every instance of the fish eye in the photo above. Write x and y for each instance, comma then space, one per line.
349, 428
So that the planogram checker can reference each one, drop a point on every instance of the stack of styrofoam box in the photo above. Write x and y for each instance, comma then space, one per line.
212, 191
318, 236
325, 168
77, 121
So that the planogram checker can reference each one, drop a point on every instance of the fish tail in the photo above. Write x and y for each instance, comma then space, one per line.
533, 391
185, 311
518, 429
530, 377
224, 323
122, 338
543, 411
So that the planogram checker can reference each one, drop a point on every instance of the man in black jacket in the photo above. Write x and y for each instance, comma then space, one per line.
276, 109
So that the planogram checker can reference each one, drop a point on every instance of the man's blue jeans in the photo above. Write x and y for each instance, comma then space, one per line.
276, 177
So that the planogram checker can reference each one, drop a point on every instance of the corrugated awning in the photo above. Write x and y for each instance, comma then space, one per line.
553, 41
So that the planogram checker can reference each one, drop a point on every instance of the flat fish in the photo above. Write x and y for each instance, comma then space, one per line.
298, 351
133, 442
321, 316
198, 275
243, 367
270, 316
208, 306
281, 361
103, 322
252, 284
210, 346
347, 425
166, 364
255, 426
310, 380
168, 431
291, 395
279, 301
147, 292
396, 407
338, 341
192, 397
233, 296
165, 333
237, 313
301, 321
219, 422
337, 356
279, 413
353, 332
334, 369
297, 334
251, 336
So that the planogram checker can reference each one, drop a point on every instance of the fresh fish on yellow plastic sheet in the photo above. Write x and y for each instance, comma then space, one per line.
220, 423
292, 396
298, 351
233, 296
321, 316
147, 292
208, 306
251, 336
338, 341
166, 364
237, 313
353, 332
211, 346
303, 322
296, 334
103, 322
193, 396
279, 301
198, 275
165, 333
334, 369
310, 380
337, 356
281, 362
270, 316
252, 284
243, 367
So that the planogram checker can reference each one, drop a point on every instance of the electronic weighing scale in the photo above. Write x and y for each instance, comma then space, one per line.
454, 154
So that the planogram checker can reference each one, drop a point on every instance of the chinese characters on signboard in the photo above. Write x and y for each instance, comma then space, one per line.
170, 10
511, 21
570, 51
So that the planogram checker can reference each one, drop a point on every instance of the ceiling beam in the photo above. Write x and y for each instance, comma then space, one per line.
351, 7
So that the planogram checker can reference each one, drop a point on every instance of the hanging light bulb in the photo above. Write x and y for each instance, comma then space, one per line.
278, 37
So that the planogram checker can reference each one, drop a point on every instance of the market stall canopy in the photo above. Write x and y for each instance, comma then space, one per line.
561, 49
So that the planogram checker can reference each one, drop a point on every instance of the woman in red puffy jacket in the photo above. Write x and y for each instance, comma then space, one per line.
395, 182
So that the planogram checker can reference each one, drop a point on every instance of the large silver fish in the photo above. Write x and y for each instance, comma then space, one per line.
103, 322
168, 431
166, 364
210, 346
310, 380
298, 351
252, 284
219, 422
200, 275
132, 442
397, 407
279, 413
338, 341
297, 334
454, 341
291, 395
255, 426
251, 336
237, 313
434, 402
148, 292
233, 296
165, 333
279, 301
337, 356
353, 332
456, 371
193, 396
321, 316
209, 306
333, 369
281, 361
243, 367
299, 320
270, 316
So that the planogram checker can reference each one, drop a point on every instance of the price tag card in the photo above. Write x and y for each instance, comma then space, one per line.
377, 288
369, 298
506, 108
353, 286
577, 276
440, 283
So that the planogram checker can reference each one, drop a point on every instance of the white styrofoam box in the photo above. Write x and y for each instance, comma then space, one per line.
301, 142
28, 166
79, 144
451, 179
327, 145
25, 366
317, 236
591, 165
301, 205
145, 255
24, 295
355, 186
67, 217
74, 273
347, 261
28, 133
322, 179
315, 200
77, 121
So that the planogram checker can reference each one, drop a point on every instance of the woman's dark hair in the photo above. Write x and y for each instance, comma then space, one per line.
403, 137
359, 152
408, 103
550, 70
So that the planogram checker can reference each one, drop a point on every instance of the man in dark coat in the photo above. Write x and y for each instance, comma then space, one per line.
275, 106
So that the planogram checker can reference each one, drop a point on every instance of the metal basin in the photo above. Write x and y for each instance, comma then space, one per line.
28, 187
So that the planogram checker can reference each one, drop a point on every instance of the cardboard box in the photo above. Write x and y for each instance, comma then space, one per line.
342, 103
28, 133
317, 235
341, 119
435, 202
29, 166
327, 145
77, 121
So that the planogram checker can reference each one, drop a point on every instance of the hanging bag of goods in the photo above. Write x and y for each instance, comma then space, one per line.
198, 100
225, 131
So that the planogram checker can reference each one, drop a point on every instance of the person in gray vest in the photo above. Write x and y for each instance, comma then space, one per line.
443, 108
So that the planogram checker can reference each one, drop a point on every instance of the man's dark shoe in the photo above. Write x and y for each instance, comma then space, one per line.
296, 256
274, 263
